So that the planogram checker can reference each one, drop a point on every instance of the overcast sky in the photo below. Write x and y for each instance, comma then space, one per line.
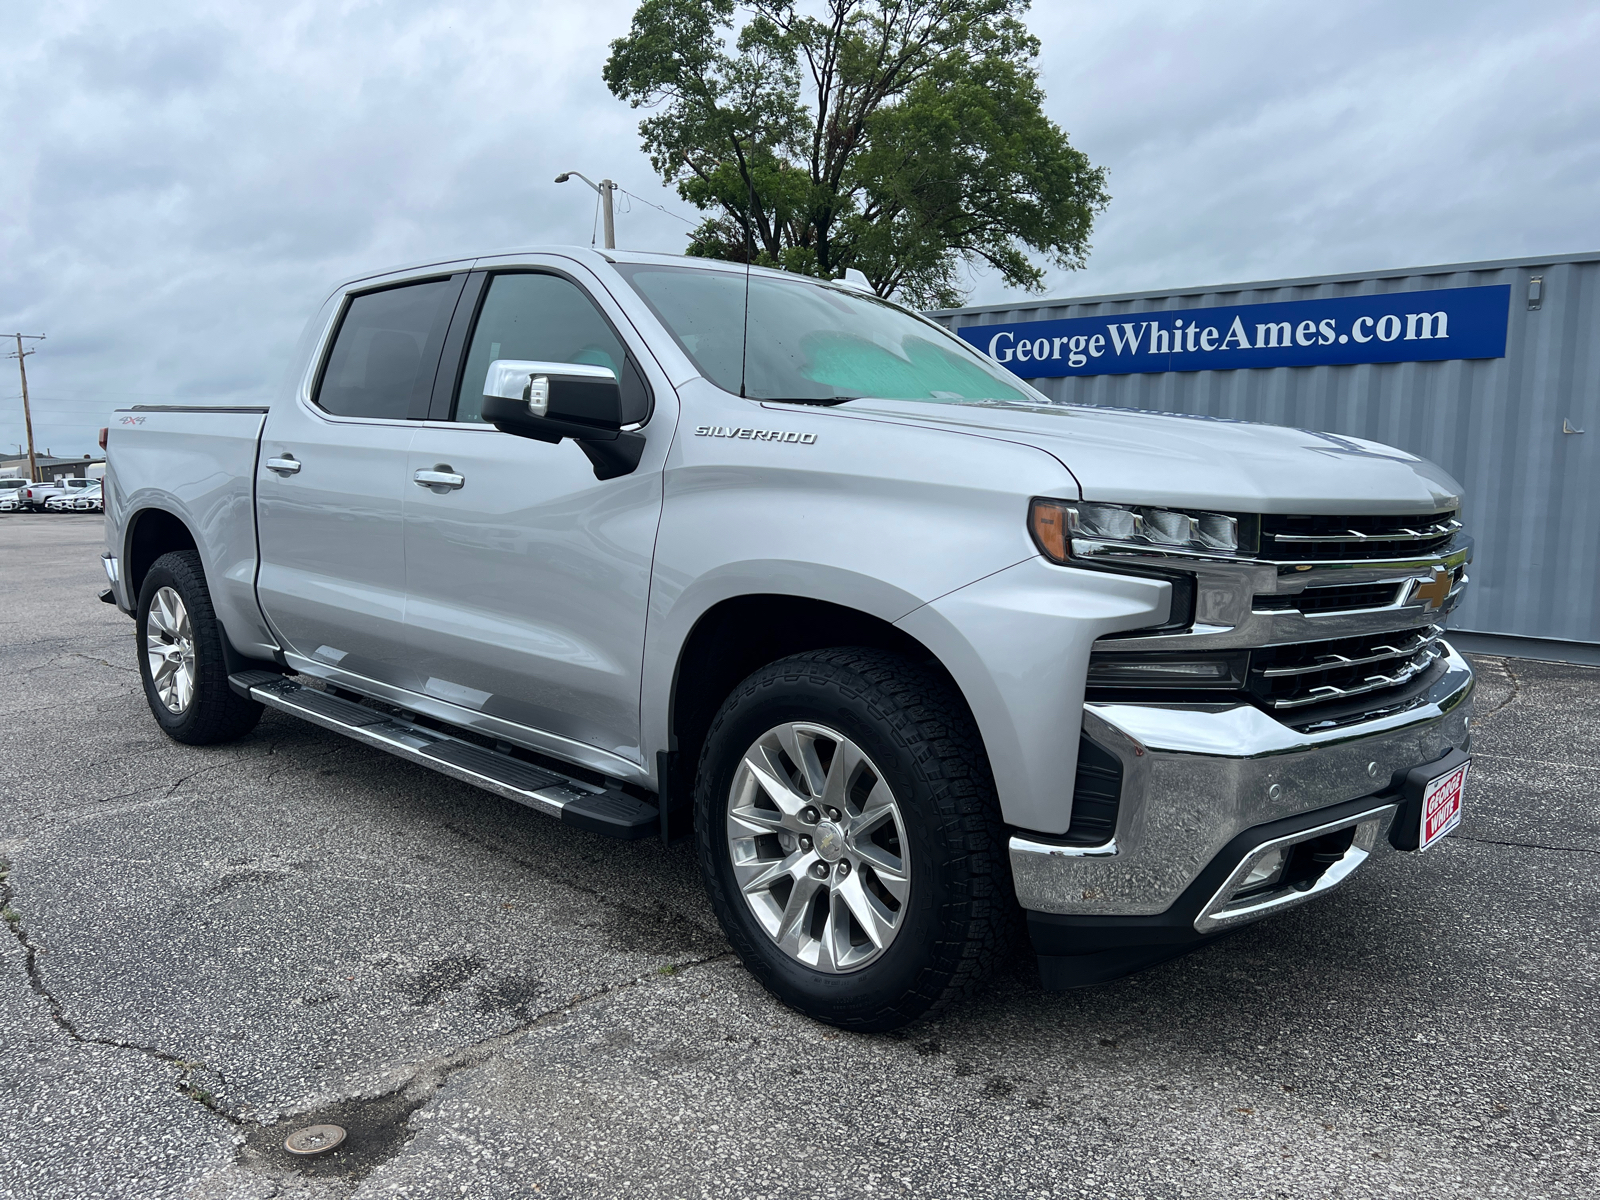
180, 182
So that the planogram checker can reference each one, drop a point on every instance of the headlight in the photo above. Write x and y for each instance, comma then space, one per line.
1056, 524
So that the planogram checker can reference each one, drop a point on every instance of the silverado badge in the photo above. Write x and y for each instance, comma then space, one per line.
760, 435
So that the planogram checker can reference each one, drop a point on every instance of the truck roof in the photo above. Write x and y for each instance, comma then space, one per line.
588, 255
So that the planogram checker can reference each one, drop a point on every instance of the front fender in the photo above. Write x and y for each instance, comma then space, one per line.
1017, 644
670, 624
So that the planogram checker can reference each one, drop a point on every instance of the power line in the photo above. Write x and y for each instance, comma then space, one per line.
660, 207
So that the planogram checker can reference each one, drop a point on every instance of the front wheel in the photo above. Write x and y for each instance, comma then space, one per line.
180, 656
850, 839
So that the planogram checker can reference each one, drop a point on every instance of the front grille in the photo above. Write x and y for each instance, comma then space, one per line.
1287, 538
1339, 598
1288, 679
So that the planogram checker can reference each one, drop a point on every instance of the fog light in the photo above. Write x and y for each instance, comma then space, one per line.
1113, 669
1107, 671
1264, 872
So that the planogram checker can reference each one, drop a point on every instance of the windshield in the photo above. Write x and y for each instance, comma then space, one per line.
812, 341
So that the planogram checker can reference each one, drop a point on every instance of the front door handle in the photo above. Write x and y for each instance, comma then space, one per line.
287, 465
440, 479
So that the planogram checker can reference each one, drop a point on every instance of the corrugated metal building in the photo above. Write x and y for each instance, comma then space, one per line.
1520, 428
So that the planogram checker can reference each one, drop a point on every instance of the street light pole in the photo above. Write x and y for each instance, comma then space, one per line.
27, 414
606, 190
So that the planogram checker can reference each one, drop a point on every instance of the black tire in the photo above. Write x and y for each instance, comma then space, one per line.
961, 915
214, 713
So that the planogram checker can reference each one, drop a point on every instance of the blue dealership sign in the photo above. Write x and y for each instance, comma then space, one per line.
1393, 327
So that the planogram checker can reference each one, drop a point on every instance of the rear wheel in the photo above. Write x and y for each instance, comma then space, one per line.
850, 839
180, 656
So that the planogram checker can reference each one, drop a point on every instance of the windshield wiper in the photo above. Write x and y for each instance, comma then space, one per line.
820, 401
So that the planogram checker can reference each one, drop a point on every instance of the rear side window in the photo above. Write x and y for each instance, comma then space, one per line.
387, 350
545, 318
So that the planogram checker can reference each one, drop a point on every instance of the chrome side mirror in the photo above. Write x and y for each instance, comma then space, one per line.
528, 381
549, 401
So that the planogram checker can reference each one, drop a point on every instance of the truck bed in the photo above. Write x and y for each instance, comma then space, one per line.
197, 462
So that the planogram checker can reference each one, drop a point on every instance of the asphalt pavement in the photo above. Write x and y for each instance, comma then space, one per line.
211, 947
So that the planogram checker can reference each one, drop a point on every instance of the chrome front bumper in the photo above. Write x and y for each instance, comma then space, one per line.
1197, 776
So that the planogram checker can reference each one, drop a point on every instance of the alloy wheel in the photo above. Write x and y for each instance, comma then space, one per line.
818, 847
169, 649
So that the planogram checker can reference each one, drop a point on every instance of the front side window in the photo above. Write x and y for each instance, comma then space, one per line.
805, 340
543, 318
386, 351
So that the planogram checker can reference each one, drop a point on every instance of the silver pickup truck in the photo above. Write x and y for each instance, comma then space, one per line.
665, 547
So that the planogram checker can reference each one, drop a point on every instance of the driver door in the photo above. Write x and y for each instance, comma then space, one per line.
527, 580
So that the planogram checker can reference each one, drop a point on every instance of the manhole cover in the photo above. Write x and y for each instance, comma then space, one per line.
314, 1139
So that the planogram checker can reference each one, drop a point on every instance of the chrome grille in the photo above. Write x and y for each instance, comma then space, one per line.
1340, 617
1339, 598
1286, 538
1300, 676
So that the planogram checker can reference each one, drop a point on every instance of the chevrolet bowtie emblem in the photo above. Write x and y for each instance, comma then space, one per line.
1434, 592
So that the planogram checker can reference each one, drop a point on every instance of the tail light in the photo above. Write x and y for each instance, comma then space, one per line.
103, 432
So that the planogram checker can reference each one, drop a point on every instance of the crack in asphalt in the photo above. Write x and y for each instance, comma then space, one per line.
1460, 837
1516, 690
433, 1072
103, 662
186, 1083
426, 1076
49, 641
404, 1091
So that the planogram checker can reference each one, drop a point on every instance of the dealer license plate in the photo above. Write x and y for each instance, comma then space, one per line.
1441, 806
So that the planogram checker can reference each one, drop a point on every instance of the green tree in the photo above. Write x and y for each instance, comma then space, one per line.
900, 138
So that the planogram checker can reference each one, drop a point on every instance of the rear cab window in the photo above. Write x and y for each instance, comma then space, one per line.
386, 351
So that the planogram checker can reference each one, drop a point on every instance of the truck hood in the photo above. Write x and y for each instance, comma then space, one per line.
1136, 457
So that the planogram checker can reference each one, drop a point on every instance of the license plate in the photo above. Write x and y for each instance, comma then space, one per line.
1441, 806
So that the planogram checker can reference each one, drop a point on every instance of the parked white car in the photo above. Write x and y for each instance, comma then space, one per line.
36, 496
11, 493
90, 499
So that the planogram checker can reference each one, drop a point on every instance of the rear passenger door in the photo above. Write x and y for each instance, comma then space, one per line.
527, 580
331, 481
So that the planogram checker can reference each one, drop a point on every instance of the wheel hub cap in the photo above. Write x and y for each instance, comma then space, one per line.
818, 847
169, 650
830, 841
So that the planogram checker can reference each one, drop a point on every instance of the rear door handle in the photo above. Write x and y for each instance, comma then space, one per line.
286, 465
440, 477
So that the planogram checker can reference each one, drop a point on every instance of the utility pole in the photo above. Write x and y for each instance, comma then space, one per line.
27, 413
606, 190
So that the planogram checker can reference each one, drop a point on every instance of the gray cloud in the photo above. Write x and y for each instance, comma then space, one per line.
181, 183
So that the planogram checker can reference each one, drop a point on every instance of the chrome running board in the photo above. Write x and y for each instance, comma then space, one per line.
608, 811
